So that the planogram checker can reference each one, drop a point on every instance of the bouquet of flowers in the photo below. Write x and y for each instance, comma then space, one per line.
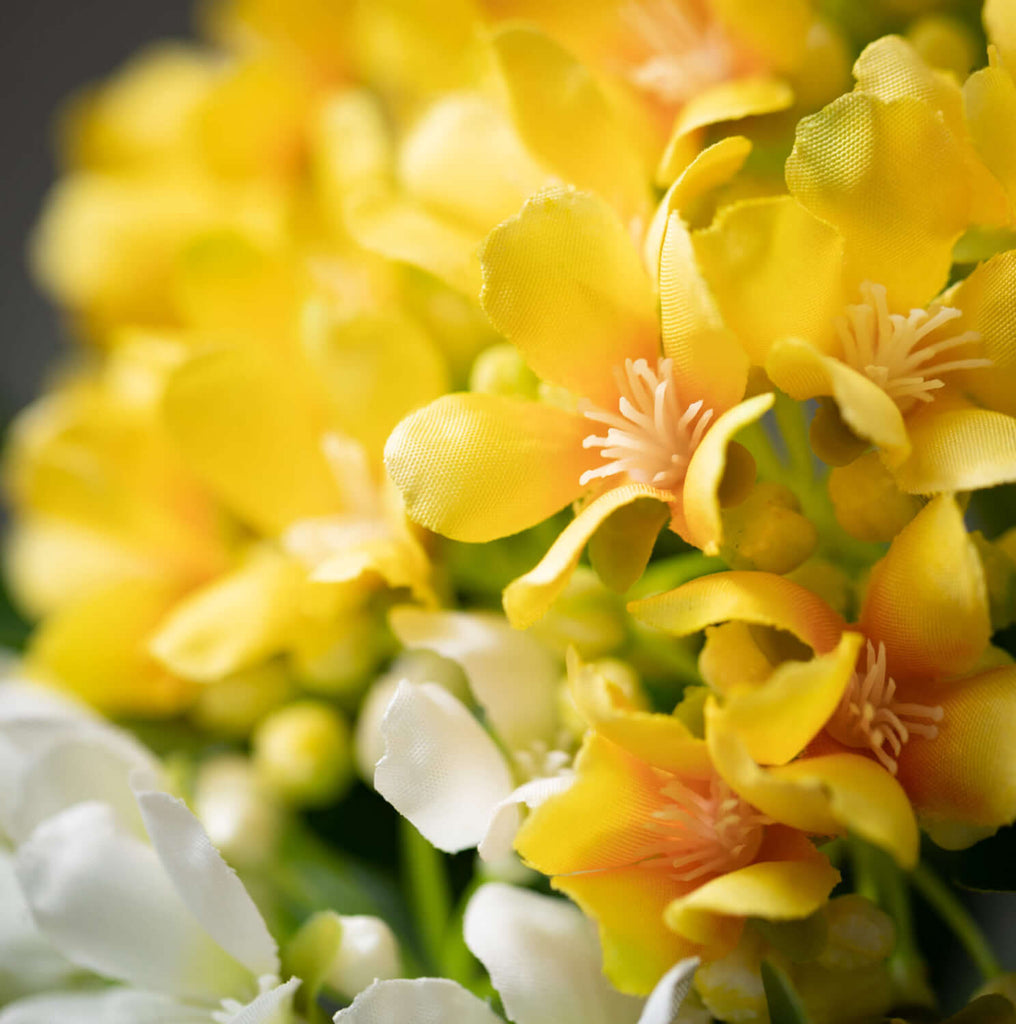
526, 528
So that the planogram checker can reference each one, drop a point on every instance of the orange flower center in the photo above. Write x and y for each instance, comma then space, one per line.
706, 833
870, 716
898, 352
652, 436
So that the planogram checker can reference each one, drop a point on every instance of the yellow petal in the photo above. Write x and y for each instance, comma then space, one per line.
98, 649
567, 122
628, 904
374, 369
731, 658
891, 177
660, 740
989, 96
756, 597
244, 426
728, 101
528, 597
707, 357
233, 623
777, 32
475, 467
774, 890
619, 550
967, 773
1000, 20
563, 281
958, 450
827, 795
778, 719
867, 410
927, 600
776, 272
711, 467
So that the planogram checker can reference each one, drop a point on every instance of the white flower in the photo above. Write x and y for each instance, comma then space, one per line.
543, 957
459, 784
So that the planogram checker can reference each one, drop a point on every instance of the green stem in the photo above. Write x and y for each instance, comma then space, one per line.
793, 423
950, 909
428, 893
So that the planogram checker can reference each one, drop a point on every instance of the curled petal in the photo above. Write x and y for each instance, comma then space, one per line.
422, 999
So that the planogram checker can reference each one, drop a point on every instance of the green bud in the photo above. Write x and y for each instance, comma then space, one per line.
767, 532
231, 707
501, 370
587, 616
859, 934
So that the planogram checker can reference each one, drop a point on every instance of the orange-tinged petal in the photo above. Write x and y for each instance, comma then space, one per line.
959, 449
528, 597
728, 101
707, 358
870, 413
826, 795
776, 271
927, 600
663, 741
891, 177
775, 890
243, 424
98, 649
629, 904
777, 719
603, 820
967, 773
475, 467
564, 282
710, 466
758, 597
566, 121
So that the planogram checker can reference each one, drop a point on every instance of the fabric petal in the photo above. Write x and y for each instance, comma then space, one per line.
868, 411
665, 1001
440, 769
514, 677
271, 1007
966, 773
118, 1006
564, 282
103, 898
204, 882
527, 598
757, 597
892, 178
243, 424
543, 958
566, 121
989, 98
711, 466
927, 600
476, 467
498, 841
420, 1001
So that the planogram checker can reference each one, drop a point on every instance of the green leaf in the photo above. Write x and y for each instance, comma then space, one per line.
781, 997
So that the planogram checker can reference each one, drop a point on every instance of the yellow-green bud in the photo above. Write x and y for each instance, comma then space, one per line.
231, 707
587, 616
944, 43
767, 532
337, 657
841, 996
731, 987
867, 502
501, 370
303, 753
859, 934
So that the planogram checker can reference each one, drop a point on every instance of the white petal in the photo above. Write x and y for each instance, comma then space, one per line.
664, 1002
204, 881
272, 1007
119, 1006
103, 898
513, 676
440, 769
421, 1001
543, 957
499, 840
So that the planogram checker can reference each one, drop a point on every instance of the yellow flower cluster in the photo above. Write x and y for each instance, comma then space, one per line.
376, 281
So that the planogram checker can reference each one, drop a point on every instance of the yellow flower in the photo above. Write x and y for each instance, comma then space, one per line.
920, 697
653, 844
645, 444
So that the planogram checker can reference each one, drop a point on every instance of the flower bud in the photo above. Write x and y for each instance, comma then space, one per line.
501, 370
231, 707
368, 951
587, 616
303, 753
867, 502
944, 43
767, 532
859, 934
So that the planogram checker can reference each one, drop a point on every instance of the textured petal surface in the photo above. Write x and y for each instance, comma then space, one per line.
543, 958
758, 597
271, 1007
440, 769
119, 1006
564, 282
476, 467
665, 1000
927, 600
420, 1001
989, 96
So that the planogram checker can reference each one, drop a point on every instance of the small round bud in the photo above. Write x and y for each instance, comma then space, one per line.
368, 951
303, 753
501, 370
944, 43
867, 502
337, 657
587, 616
859, 934
231, 707
767, 532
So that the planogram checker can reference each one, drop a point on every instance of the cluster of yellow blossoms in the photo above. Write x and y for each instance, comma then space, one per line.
363, 285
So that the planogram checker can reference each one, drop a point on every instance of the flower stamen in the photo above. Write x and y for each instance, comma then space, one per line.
890, 348
870, 716
652, 438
